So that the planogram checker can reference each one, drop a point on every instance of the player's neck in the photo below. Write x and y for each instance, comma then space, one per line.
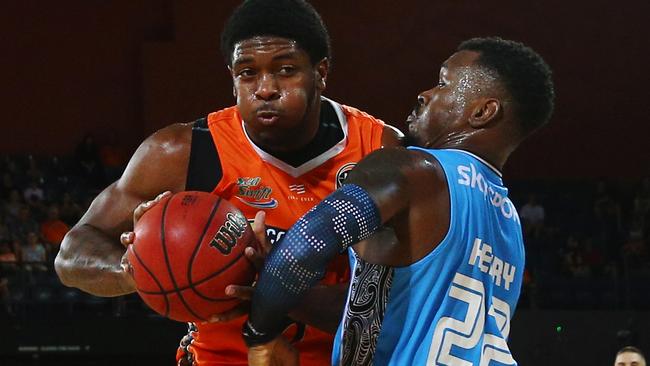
329, 133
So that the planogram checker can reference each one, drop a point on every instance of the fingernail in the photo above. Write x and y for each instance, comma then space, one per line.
215, 319
249, 251
229, 290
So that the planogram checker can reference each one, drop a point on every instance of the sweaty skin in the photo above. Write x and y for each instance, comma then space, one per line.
409, 187
278, 94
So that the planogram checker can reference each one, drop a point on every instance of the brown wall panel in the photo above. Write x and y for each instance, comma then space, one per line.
73, 67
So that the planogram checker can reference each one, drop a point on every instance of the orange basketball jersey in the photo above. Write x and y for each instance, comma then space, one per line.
254, 180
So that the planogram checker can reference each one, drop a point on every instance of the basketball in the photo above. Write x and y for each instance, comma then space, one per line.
187, 249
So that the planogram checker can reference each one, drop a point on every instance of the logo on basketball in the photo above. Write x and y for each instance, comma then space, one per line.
342, 174
231, 230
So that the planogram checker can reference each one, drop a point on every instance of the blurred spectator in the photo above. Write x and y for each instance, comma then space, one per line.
533, 215
574, 259
634, 251
54, 229
69, 210
57, 178
23, 224
7, 185
608, 221
89, 163
113, 157
8, 266
34, 254
33, 194
5, 234
642, 198
33, 172
15, 203
5, 296
593, 257
8, 259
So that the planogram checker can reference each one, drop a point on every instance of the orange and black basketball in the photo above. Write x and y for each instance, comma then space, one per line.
187, 249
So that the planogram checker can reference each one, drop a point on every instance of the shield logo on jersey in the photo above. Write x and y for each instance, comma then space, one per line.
342, 174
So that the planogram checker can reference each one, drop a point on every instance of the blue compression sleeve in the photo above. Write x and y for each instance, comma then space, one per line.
299, 260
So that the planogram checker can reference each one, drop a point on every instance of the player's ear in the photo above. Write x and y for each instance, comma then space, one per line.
484, 112
322, 70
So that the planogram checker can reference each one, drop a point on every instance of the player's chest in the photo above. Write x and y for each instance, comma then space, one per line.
258, 186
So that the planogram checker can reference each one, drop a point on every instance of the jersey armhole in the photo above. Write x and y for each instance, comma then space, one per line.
204, 168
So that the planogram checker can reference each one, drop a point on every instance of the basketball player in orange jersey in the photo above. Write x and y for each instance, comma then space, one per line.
281, 149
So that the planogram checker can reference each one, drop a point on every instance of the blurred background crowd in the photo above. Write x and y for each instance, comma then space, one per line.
586, 241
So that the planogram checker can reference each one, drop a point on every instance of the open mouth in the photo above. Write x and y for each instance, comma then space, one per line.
268, 117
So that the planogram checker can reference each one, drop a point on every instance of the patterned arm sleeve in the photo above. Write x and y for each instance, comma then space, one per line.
298, 262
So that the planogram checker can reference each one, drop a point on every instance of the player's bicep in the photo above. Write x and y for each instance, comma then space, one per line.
385, 176
158, 165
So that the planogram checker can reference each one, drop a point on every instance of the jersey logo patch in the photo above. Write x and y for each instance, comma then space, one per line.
252, 193
342, 174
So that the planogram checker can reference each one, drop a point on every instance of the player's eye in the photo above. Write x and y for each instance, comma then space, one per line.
287, 70
246, 73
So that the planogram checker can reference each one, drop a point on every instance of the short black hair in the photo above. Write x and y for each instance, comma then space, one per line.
630, 349
296, 20
525, 75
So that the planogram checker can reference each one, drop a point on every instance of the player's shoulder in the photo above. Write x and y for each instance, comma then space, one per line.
403, 161
172, 137
225, 114
352, 112
391, 136
168, 145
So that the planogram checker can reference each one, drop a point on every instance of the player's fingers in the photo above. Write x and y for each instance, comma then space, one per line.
145, 206
240, 310
127, 237
255, 257
240, 292
259, 228
125, 264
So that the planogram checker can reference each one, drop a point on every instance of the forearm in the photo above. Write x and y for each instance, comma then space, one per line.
298, 262
90, 260
322, 307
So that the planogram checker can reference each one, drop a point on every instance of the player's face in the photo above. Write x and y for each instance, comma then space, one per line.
441, 113
629, 359
277, 90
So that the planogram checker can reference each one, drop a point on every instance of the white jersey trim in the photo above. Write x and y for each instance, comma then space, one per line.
315, 162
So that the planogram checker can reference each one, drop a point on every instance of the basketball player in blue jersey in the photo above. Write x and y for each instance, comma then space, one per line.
436, 245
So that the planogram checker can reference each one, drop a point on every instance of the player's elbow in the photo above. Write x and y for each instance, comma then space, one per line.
64, 264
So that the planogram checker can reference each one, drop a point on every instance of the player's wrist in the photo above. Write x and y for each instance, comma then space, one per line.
255, 337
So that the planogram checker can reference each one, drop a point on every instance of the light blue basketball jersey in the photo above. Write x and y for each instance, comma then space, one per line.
452, 307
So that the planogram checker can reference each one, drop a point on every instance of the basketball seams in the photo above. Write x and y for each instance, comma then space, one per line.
210, 276
169, 268
197, 246
137, 256
171, 262
207, 278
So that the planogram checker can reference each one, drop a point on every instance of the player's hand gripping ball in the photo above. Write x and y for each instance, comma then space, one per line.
187, 249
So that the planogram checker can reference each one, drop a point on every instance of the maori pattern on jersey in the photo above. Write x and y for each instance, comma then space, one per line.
365, 312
